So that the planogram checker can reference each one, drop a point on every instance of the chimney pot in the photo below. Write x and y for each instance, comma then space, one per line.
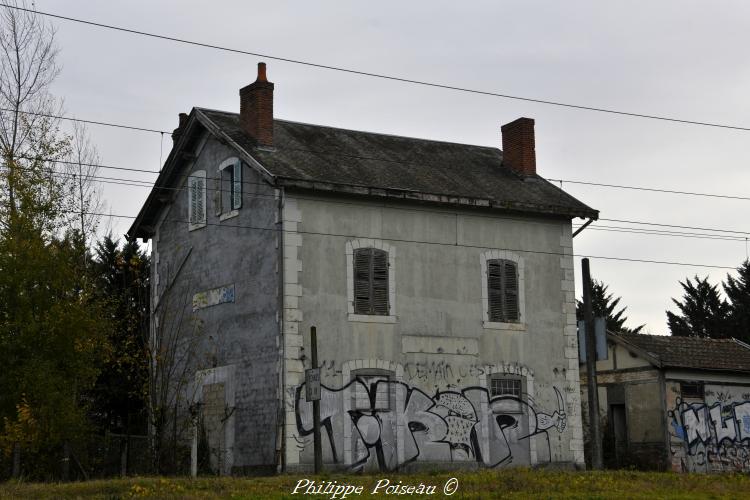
256, 108
261, 72
518, 146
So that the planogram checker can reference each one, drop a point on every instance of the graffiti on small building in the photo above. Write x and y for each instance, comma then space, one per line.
712, 437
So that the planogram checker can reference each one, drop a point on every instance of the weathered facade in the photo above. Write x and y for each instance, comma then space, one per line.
439, 277
675, 403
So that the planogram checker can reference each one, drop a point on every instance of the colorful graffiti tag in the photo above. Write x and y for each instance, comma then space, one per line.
710, 437
388, 424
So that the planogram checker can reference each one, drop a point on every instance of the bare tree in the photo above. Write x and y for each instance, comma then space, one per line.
28, 65
84, 193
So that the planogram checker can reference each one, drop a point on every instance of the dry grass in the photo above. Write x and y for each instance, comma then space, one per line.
514, 483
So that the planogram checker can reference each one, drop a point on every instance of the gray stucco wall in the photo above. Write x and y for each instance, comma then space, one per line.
233, 342
438, 349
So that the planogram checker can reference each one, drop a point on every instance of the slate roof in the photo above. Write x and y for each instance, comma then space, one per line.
326, 154
349, 161
692, 352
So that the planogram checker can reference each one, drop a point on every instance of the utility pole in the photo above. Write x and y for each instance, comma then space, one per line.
312, 383
593, 391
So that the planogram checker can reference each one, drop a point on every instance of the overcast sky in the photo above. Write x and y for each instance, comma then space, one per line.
684, 59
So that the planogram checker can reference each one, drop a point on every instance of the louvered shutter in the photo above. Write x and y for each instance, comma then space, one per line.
193, 195
371, 282
237, 185
362, 302
200, 200
510, 291
379, 282
495, 290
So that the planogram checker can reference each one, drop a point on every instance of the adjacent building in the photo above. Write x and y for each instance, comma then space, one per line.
675, 403
439, 277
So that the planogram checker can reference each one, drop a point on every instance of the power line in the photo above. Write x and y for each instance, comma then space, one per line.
639, 231
656, 190
80, 120
380, 75
424, 242
647, 232
675, 226
349, 203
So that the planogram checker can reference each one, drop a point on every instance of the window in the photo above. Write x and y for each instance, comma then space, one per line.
691, 390
502, 291
505, 387
371, 282
509, 391
229, 194
197, 199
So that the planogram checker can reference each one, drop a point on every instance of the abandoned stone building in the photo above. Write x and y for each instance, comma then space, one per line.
439, 277
674, 403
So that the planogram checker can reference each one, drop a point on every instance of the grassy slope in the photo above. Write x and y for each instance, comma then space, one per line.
515, 483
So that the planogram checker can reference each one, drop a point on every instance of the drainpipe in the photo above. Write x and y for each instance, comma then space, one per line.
281, 467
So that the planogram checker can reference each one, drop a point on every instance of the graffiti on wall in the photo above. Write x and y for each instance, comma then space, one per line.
388, 424
711, 437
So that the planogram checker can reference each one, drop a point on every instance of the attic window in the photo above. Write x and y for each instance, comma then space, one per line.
502, 291
229, 194
371, 282
196, 187
691, 390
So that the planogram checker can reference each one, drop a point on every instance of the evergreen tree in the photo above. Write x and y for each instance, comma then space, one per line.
738, 293
702, 312
122, 281
605, 305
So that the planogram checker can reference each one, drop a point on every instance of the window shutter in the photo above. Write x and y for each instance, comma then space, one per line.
495, 290
502, 291
371, 281
193, 195
200, 197
217, 193
237, 185
379, 282
510, 288
362, 281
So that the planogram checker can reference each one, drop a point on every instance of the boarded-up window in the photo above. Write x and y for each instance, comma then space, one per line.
691, 390
197, 198
372, 392
371, 281
502, 291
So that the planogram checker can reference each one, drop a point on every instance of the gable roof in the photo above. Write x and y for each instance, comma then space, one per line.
337, 160
688, 352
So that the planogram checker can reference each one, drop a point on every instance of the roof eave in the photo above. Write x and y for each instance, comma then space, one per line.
440, 198
143, 225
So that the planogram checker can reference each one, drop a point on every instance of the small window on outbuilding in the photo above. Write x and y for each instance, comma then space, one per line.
196, 187
502, 291
691, 390
230, 185
371, 282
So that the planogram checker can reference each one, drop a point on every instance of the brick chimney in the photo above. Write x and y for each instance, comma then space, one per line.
183, 117
256, 108
518, 146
